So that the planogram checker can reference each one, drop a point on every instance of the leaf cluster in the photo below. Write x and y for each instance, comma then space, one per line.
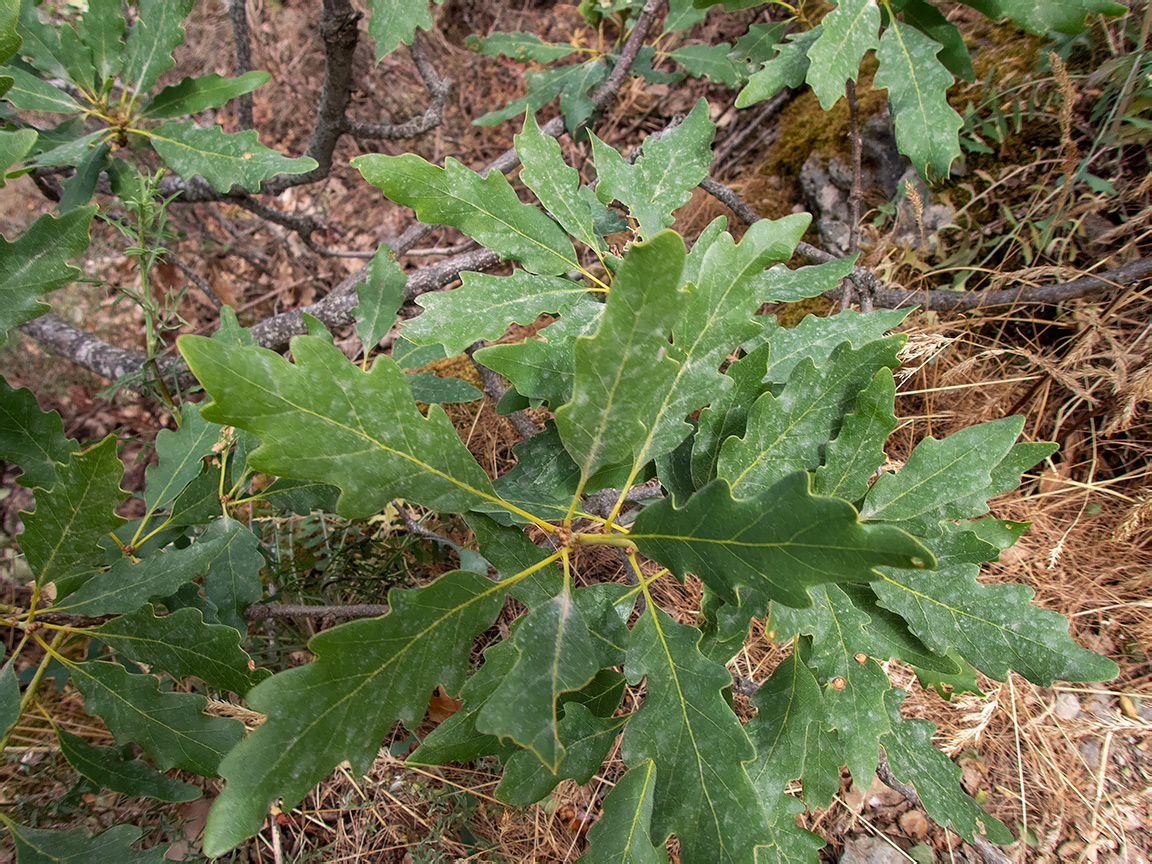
767, 443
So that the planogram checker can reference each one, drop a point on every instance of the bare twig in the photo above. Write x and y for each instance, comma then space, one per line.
438, 88
952, 301
855, 195
417, 527
494, 389
258, 611
724, 156
339, 32
243, 39
194, 277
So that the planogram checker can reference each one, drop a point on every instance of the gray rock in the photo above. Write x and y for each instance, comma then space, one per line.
1067, 706
1090, 751
870, 850
1100, 704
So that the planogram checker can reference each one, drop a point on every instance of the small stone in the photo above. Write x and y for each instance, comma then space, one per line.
1090, 752
914, 825
1067, 706
870, 850
1099, 704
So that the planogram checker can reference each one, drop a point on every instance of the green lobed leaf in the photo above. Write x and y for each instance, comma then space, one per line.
430, 388
377, 445
9, 695
558, 652
939, 472
40, 42
848, 32
857, 451
642, 68
1004, 478
675, 470
889, 636
927, 128
718, 314
510, 551
557, 185
702, 59
151, 40
32, 439
101, 28
789, 843
789, 738
77, 59
169, 726
410, 356
9, 38
193, 95
74, 846
79, 188
727, 416
71, 518
570, 83
485, 208
224, 160
585, 740
817, 337
663, 177
517, 45
69, 151
378, 298
949, 684
780, 542
29, 93
703, 793
545, 478
457, 739
544, 368
182, 645
725, 625
199, 502
1036, 16
127, 585
301, 497
232, 582
623, 833
392, 22
682, 15
788, 433
621, 371
758, 44
931, 22
367, 674
994, 627
484, 305
786, 69
14, 146
790, 286
180, 456
854, 683
107, 769
936, 778
318, 329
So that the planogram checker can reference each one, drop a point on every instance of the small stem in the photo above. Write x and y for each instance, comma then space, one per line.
605, 540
